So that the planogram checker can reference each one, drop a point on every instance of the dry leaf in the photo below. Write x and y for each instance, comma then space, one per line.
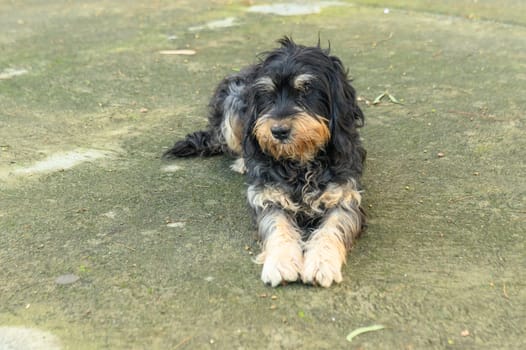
379, 98
358, 331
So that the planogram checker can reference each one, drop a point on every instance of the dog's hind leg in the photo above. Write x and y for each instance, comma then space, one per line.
239, 166
232, 134
225, 123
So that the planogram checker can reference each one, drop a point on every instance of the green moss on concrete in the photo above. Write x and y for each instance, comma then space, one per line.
445, 246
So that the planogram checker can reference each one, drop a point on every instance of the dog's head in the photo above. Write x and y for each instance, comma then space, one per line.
301, 104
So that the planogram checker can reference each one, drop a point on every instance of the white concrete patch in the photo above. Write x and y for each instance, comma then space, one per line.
222, 23
21, 338
110, 215
62, 161
294, 9
172, 168
68, 278
176, 224
9, 73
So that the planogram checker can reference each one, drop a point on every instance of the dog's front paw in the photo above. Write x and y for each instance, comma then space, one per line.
282, 264
322, 266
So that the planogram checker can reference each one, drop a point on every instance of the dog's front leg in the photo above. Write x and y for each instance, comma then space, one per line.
282, 255
326, 249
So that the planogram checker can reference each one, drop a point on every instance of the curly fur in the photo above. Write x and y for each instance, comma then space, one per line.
292, 120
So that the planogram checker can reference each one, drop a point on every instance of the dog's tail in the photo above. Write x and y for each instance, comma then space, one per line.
199, 143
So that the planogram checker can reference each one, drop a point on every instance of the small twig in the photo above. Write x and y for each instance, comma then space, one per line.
184, 341
469, 114
483, 114
383, 40
458, 199
379, 98
504, 292
391, 98
125, 246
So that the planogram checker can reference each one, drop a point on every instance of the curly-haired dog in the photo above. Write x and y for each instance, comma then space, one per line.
291, 120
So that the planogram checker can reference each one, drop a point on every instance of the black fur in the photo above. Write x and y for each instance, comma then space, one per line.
198, 143
332, 95
243, 98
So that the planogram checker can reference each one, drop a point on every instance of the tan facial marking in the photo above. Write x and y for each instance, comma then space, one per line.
308, 136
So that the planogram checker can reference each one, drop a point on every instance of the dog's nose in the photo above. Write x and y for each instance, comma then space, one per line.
280, 132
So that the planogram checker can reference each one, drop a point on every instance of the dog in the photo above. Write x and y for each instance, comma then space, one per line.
291, 121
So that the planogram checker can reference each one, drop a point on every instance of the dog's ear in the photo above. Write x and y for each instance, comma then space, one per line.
345, 114
344, 96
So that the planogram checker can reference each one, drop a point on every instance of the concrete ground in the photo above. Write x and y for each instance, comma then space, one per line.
104, 246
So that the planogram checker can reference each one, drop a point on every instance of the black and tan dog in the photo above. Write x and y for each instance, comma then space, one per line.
291, 120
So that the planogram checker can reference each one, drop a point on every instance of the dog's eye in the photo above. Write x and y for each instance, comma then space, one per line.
302, 82
306, 87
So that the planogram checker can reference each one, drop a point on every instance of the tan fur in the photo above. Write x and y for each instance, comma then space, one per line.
334, 195
282, 255
261, 198
232, 131
308, 136
326, 250
239, 166
323, 260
